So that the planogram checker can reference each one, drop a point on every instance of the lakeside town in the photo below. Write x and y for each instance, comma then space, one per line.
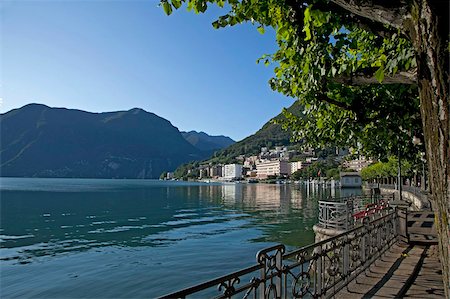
148, 156
275, 164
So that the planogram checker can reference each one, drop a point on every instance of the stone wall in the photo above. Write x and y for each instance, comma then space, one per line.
325, 233
417, 202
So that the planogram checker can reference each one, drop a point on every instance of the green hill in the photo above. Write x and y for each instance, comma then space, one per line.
268, 136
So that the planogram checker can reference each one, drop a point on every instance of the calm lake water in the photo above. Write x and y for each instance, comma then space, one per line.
88, 238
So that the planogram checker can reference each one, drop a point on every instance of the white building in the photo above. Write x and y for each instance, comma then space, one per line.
299, 165
296, 166
273, 168
357, 164
232, 171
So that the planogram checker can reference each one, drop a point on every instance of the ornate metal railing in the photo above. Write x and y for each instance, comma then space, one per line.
317, 270
344, 213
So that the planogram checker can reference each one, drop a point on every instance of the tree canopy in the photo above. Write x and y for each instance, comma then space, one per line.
324, 55
387, 169
362, 70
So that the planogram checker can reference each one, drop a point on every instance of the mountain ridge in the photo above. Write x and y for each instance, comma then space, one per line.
206, 142
41, 141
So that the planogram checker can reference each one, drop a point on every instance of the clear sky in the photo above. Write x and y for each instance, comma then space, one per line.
116, 55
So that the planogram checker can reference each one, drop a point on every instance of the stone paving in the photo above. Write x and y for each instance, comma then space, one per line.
404, 271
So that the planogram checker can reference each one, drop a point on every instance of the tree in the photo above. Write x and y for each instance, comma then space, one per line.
163, 175
388, 169
333, 173
361, 69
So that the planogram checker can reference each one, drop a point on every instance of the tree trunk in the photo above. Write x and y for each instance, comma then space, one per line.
432, 60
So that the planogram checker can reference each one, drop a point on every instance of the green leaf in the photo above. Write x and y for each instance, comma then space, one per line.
379, 74
176, 3
307, 22
220, 3
307, 14
320, 123
333, 71
190, 6
167, 8
261, 29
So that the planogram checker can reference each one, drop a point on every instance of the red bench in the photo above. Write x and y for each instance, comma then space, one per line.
370, 210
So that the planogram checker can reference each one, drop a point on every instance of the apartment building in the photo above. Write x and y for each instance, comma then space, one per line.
273, 168
232, 171
357, 164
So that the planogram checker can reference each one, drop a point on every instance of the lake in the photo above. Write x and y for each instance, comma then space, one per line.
92, 238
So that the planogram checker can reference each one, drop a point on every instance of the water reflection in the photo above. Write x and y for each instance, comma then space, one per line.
51, 222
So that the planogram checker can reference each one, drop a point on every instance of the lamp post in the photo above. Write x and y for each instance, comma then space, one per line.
416, 141
424, 178
399, 181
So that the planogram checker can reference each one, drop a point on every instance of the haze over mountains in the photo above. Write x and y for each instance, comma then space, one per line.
205, 142
39, 141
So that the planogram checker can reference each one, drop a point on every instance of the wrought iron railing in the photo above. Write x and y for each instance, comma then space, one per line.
317, 270
346, 212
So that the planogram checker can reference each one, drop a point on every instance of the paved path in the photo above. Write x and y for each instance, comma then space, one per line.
410, 271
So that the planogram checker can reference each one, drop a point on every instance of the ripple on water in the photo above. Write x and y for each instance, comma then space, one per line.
6, 237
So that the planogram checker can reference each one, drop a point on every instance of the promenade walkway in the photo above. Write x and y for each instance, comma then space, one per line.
404, 271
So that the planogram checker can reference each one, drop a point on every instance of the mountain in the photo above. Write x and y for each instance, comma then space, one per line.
207, 143
268, 136
39, 141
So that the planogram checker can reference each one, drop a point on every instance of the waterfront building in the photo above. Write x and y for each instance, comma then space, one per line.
299, 165
295, 166
215, 171
232, 171
351, 180
309, 151
250, 161
252, 173
273, 168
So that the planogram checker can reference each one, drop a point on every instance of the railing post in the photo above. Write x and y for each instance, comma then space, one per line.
262, 283
319, 271
395, 222
402, 228
346, 259
279, 267
349, 213
364, 241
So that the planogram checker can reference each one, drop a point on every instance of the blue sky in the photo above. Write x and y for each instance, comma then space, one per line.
115, 55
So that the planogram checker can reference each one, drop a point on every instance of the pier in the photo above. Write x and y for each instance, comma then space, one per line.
405, 270
370, 247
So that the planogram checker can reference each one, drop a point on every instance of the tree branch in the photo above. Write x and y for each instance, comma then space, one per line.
356, 107
354, 19
324, 98
368, 77
386, 12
